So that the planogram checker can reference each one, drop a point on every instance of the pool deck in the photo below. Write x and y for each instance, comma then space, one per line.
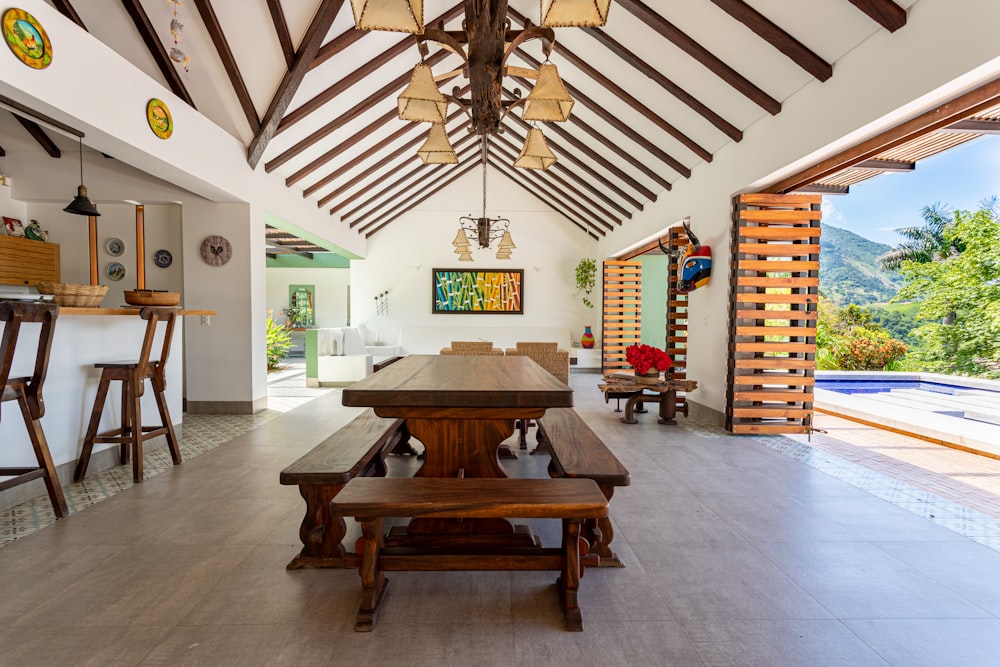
908, 414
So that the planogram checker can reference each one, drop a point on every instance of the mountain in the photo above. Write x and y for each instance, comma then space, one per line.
849, 271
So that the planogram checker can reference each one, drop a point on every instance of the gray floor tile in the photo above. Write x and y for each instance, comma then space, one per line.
933, 642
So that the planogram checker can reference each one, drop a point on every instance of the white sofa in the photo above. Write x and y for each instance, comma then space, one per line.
341, 356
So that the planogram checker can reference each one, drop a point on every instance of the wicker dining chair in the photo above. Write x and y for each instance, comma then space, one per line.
471, 347
549, 356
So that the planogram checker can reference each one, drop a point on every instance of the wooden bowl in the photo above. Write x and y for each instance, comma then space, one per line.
148, 297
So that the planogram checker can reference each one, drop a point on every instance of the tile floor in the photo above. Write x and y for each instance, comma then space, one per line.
739, 551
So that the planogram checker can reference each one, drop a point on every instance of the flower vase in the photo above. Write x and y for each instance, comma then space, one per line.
651, 377
587, 341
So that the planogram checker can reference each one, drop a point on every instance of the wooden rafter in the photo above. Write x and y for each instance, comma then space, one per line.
342, 119
820, 189
980, 126
215, 31
661, 80
764, 28
886, 13
281, 29
519, 179
671, 32
38, 134
293, 78
156, 49
446, 178
65, 7
885, 165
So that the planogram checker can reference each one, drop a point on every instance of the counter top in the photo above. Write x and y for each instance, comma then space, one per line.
71, 310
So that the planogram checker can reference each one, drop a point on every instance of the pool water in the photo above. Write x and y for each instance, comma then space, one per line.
876, 386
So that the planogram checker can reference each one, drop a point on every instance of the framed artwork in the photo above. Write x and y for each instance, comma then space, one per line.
13, 227
27, 39
484, 291
159, 118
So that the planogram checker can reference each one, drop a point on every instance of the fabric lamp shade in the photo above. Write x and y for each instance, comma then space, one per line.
507, 241
461, 242
437, 149
548, 100
536, 153
422, 101
465, 257
574, 13
391, 15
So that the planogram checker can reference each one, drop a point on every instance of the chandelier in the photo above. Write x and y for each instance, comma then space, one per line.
484, 44
484, 230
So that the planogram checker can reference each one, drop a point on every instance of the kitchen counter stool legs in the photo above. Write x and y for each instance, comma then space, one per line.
133, 375
27, 391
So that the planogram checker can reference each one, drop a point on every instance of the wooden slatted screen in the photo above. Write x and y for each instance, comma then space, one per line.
621, 324
774, 282
677, 317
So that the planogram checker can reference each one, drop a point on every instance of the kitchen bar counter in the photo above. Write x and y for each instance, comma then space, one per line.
70, 310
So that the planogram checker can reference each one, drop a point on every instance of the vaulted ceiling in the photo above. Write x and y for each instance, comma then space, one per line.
659, 90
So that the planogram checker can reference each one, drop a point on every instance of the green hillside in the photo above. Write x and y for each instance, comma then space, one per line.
849, 270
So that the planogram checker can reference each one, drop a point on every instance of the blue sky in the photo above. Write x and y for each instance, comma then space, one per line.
960, 178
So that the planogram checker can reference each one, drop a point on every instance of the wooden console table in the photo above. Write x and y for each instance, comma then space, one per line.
664, 392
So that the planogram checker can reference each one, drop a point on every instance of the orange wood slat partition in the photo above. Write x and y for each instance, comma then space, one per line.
774, 289
677, 317
621, 324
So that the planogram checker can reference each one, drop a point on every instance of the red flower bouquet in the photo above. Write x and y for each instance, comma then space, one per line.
644, 358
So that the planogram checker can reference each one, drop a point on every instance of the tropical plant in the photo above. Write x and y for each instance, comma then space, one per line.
867, 349
586, 279
279, 340
926, 243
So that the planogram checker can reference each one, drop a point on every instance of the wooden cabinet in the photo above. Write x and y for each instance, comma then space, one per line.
26, 262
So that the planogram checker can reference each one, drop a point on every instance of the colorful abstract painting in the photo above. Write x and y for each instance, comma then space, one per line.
482, 291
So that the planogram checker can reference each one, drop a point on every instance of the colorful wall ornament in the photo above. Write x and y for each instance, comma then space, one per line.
26, 38
159, 119
478, 291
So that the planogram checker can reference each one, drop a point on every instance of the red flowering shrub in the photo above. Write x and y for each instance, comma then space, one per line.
868, 350
645, 357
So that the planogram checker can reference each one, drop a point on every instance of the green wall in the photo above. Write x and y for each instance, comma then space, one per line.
654, 299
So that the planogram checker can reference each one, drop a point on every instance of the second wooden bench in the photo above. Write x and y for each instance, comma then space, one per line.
578, 452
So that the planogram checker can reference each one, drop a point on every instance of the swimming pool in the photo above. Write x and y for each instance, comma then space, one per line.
877, 385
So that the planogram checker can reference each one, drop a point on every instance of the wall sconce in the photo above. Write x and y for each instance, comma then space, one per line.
81, 204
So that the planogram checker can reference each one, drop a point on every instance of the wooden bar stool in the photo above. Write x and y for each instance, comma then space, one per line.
133, 375
27, 391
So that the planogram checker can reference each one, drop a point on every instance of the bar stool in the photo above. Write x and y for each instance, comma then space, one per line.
27, 391
133, 375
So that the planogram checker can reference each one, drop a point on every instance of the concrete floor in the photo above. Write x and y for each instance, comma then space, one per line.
737, 554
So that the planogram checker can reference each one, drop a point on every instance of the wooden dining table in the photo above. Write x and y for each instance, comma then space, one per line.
461, 408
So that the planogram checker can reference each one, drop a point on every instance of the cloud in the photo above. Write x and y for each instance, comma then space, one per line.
830, 213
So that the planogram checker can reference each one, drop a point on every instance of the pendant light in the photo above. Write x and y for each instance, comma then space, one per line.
574, 13
81, 204
548, 100
536, 153
392, 15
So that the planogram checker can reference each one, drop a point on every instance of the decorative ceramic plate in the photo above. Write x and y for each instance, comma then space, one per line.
216, 250
115, 270
115, 247
27, 39
159, 119
162, 258
13, 226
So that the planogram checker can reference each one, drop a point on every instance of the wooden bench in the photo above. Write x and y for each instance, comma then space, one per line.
578, 452
370, 500
357, 449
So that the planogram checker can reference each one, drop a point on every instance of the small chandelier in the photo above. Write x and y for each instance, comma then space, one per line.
484, 230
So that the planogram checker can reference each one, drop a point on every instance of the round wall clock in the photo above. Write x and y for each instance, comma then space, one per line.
115, 247
159, 119
215, 250
162, 258
27, 39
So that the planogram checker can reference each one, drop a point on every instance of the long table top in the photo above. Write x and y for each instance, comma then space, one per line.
454, 381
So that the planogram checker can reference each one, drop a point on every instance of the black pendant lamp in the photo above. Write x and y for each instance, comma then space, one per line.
81, 204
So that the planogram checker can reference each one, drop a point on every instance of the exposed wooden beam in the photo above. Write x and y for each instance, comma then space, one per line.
658, 77
796, 51
65, 7
155, 47
38, 134
886, 13
281, 29
448, 176
614, 121
974, 125
961, 107
342, 119
545, 197
18, 109
218, 36
313, 39
820, 189
671, 32
885, 165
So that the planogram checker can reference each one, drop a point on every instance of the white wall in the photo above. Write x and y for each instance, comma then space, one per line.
402, 256
330, 295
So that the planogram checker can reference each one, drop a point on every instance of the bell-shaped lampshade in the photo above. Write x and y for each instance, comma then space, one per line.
437, 149
392, 15
548, 100
81, 204
506, 241
422, 101
536, 153
461, 242
465, 257
574, 13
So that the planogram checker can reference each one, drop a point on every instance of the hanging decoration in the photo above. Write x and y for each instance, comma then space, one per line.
176, 30
695, 261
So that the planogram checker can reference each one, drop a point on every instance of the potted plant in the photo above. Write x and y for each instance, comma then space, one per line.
586, 278
648, 362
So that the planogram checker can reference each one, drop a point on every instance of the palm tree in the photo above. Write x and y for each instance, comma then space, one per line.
925, 243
